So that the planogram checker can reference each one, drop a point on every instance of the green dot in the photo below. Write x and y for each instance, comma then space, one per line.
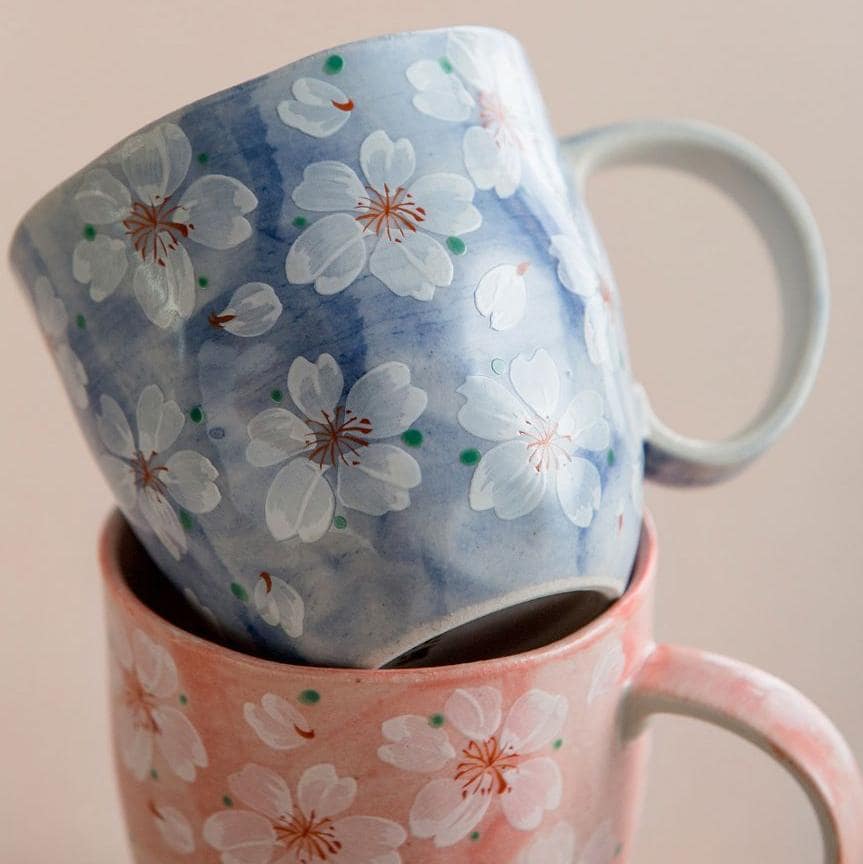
310, 697
498, 366
300, 222
436, 720
412, 437
333, 64
239, 592
445, 65
186, 519
196, 415
277, 395
81, 322
203, 281
340, 522
227, 801
89, 232
610, 457
184, 699
154, 773
469, 456
456, 245
202, 158
618, 849
474, 835
558, 744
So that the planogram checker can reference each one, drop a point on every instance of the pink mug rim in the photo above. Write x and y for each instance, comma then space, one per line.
115, 526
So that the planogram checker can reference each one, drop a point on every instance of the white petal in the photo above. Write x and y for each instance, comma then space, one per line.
263, 790
501, 295
505, 480
100, 263
156, 161
50, 309
574, 268
447, 201
466, 51
491, 411
102, 199
329, 253
179, 742
279, 604
579, 490
556, 846
535, 786
534, 720
315, 387
583, 422
386, 163
440, 811
154, 666
166, 292
441, 94
135, 743
278, 723
601, 847
481, 157
381, 480
368, 840
189, 480
607, 669
319, 109
163, 520
276, 434
536, 380
121, 479
322, 792
474, 711
329, 186
299, 502
244, 837
214, 207
412, 267
159, 422
415, 745
114, 429
596, 332
252, 310
385, 396
73, 374
508, 169
175, 829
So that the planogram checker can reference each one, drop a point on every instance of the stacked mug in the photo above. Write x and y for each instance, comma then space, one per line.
348, 350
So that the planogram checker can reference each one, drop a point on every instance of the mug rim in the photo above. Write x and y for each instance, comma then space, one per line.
644, 572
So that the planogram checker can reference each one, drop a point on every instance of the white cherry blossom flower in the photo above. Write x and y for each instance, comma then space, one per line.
147, 223
334, 437
501, 295
252, 310
174, 828
279, 829
319, 109
486, 760
398, 218
279, 604
278, 723
538, 443
54, 320
607, 669
553, 846
141, 475
146, 685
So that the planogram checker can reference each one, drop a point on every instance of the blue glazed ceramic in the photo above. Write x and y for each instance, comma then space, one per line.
347, 351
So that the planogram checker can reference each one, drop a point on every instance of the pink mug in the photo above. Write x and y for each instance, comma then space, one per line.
534, 758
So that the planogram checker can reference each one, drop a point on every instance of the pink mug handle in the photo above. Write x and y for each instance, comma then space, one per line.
769, 713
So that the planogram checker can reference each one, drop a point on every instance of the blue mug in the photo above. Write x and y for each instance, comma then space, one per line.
349, 353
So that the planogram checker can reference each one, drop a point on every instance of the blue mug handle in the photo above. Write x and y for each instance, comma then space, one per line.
763, 189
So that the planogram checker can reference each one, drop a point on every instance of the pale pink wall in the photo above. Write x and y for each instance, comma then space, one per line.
767, 568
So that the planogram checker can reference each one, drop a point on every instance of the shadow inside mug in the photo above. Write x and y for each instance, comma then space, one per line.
520, 628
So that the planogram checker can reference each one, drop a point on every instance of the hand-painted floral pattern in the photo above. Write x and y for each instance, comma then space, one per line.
174, 828
319, 109
141, 475
396, 216
485, 760
602, 848
145, 221
538, 442
492, 99
51, 311
608, 669
553, 846
146, 686
331, 437
276, 829
252, 311
279, 604
278, 723
501, 295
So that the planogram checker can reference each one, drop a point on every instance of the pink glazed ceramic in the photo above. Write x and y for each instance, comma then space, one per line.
537, 758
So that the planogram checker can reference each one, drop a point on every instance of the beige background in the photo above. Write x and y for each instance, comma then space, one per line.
767, 567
